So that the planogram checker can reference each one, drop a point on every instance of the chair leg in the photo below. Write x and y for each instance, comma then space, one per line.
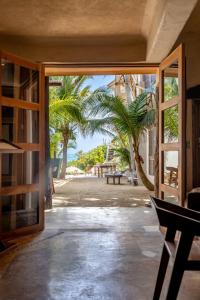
161, 273
181, 258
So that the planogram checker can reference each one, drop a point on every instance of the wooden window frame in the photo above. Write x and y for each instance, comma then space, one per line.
40, 147
177, 55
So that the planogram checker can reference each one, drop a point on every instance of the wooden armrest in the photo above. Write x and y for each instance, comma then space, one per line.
186, 212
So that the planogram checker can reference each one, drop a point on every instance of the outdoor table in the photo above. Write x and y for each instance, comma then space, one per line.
113, 176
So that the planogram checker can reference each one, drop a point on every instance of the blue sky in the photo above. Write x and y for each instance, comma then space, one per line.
88, 143
99, 81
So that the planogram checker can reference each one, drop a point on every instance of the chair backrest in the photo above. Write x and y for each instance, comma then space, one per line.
194, 201
177, 217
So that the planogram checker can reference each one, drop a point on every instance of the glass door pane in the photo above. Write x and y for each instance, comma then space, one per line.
172, 127
22, 123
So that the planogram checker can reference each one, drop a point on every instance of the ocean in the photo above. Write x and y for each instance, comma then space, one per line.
71, 156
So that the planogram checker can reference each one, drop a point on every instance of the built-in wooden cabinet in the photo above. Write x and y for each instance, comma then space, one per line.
21, 123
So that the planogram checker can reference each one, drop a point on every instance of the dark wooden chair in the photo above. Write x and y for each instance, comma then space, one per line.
187, 222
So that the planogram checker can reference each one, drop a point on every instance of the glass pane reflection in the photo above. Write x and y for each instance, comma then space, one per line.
6, 204
171, 168
27, 209
19, 82
170, 116
28, 126
19, 211
20, 125
18, 169
170, 198
171, 88
8, 125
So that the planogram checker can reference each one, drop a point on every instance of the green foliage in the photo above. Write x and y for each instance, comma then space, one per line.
170, 88
66, 104
123, 154
171, 123
121, 119
127, 120
87, 160
55, 139
171, 114
66, 112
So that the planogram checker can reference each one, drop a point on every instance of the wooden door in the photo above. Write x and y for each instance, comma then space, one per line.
172, 127
21, 123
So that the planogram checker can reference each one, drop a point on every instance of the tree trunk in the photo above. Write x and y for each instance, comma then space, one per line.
147, 183
64, 160
129, 99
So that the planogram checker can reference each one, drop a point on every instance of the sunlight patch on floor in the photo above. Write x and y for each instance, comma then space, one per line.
91, 199
151, 228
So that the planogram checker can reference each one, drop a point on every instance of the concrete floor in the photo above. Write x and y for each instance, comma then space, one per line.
90, 253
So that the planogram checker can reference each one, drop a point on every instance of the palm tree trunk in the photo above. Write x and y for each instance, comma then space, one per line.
147, 183
64, 160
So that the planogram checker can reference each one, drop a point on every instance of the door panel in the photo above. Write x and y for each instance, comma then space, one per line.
21, 123
172, 127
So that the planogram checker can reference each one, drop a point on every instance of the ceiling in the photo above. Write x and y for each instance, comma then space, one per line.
71, 19
91, 30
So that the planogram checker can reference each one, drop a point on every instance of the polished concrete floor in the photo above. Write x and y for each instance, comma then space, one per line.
90, 253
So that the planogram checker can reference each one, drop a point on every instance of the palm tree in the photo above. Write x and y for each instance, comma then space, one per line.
129, 120
124, 155
66, 110
55, 138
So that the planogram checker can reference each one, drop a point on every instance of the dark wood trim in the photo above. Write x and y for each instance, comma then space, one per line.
6, 101
156, 154
170, 146
167, 104
182, 124
14, 190
21, 231
48, 173
196, 143
19, 189
99, 69
0, 154
161, 171
42, 146
28, 146
169, 189
19, 61
175, 55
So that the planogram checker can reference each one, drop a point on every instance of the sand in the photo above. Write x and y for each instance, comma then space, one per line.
94, 192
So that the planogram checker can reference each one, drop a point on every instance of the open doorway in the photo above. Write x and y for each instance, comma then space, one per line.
102, 139
25, 82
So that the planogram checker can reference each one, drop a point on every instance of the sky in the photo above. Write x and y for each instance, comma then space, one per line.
90, 142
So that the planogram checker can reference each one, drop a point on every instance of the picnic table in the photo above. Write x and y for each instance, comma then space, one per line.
113, 176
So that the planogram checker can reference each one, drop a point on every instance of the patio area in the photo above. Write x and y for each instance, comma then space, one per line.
88, 191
